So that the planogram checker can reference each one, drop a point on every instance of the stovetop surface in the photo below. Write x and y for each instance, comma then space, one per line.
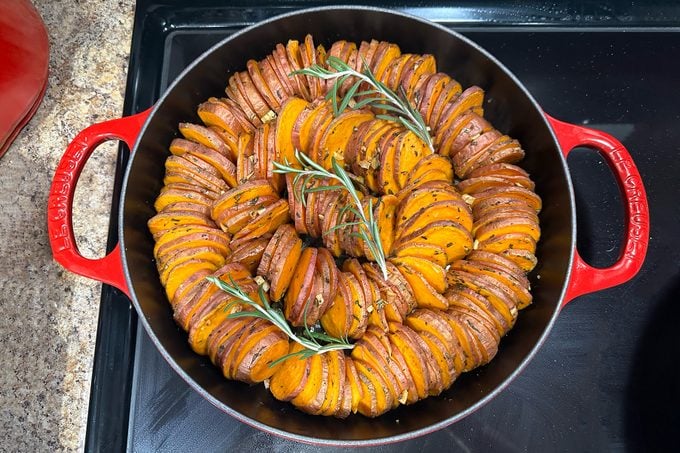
605, 379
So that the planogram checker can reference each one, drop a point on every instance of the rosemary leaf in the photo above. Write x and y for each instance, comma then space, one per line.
265, 311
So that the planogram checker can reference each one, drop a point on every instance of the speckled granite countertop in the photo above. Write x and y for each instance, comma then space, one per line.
49, 321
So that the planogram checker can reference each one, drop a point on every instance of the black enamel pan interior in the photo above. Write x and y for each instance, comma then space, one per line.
507, 105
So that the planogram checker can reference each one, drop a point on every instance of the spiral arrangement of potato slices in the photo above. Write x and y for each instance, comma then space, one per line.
458, 226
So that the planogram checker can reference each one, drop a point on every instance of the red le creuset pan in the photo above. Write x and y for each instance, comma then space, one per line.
560, 276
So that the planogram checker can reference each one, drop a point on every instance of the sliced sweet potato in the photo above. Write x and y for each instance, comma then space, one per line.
328, 272
263, 345
354, 384
291, 377
376, 358
514, 224
268, 254
464, 296
270, 348
376, 399
217, 113
299, 287
249, 253
457, 211
234, 219
177, 257
386, 182
206, 137
256, 76
208, 317
522, 296
415, 358
430, 163
489, 289
285, 259
429, 92
336, 383
167, 220
337, 319
242, 194
519, 193
290, 111
433, 273
523, 258
172, 196
314, 391
265, 222
450, 92
410, 151
431, 252
451, 236
426, 296
334, 141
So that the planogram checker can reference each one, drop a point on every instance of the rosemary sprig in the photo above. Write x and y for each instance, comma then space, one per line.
274, 315
368, 227
380, 96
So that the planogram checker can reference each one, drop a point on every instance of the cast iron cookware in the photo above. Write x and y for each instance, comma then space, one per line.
560, 276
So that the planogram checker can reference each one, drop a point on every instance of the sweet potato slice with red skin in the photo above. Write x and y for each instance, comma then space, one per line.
291, 377
249, 253
451, 236
510, 241
336, 383
326, 267
257, 348
524, 258
215, 112
312, 395
258, 364
464, 296
365, 353
268, 254
486, 287
426, 296
431, 252
285, 259
299, 286
513, 224
511, 191
457, 211
257, 78
179, 256
415, 357
167, 220
517, 283
194, 236
234, 219
206, 137
337, 319
335, 139
376, 399
265, 223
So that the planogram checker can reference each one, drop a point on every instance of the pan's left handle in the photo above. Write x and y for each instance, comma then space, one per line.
108, 269
587, 279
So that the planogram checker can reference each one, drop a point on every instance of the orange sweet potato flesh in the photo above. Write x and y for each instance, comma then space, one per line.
285, 259
301, 279
291, 377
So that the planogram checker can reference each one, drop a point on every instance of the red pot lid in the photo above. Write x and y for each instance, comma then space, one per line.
24, 57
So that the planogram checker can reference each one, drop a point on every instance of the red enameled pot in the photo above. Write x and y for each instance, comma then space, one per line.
560, 276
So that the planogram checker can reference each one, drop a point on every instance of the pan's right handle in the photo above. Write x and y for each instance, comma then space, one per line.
108, 269
587, 279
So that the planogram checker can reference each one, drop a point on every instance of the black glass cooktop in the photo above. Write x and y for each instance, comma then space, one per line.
607, 377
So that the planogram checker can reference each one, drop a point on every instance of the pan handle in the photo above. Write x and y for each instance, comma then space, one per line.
587, 279
108, 269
